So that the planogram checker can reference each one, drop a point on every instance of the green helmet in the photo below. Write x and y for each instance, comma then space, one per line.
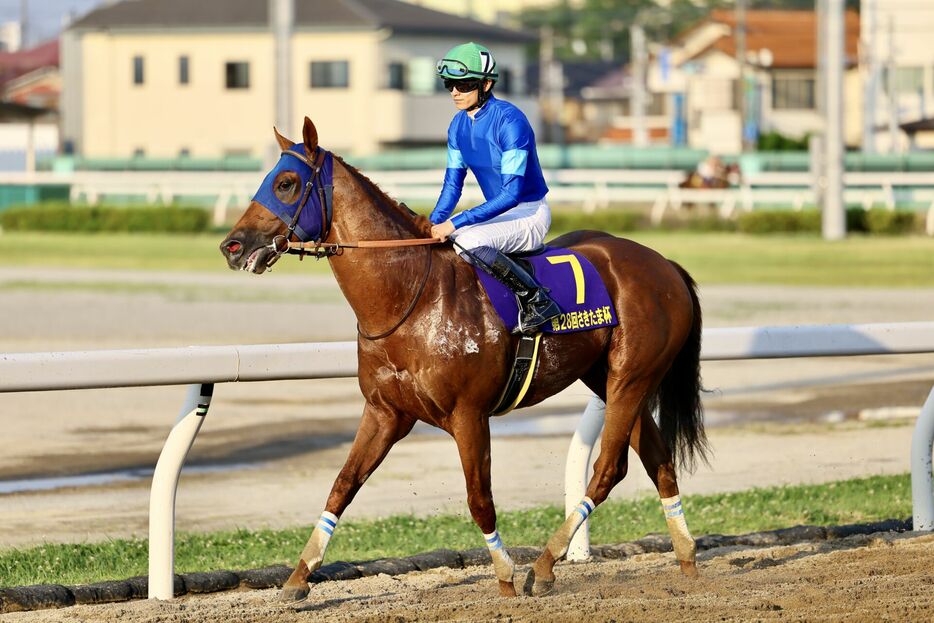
468, 60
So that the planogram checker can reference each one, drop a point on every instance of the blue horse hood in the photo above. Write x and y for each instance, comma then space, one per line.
311, 223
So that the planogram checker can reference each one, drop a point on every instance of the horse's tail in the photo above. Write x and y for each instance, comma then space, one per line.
681, 414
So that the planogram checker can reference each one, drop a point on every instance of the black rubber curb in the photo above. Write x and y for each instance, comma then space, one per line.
43, 596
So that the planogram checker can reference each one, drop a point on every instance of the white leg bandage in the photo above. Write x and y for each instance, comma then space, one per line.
313, 554
681, 539
560, 541
502, 563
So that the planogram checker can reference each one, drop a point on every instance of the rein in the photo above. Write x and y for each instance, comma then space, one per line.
327, 249
409, 309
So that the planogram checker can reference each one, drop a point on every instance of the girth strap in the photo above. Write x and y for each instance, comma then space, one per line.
523, 370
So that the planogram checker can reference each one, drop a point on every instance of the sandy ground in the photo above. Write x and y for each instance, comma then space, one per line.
285, 441
867, 578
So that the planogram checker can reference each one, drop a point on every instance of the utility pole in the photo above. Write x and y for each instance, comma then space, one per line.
551, 85
282, 19
871, 78
892, 90
640, 133
741, 61
23, 24
833, 222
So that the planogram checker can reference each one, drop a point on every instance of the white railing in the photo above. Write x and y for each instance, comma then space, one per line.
591, 188
202, 367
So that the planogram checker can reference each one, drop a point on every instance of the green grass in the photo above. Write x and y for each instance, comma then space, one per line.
878, 261
713, 258
172, 252
850, 501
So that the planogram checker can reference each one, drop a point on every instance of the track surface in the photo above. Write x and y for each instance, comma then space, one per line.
883, 577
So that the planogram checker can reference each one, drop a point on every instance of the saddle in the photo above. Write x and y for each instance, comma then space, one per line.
576, 287
573, 283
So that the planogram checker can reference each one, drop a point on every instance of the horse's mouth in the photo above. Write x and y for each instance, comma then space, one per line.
258, 261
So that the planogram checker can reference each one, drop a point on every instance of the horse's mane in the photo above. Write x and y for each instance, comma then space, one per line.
386, 203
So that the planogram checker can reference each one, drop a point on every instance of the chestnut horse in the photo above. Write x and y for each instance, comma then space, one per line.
432, 348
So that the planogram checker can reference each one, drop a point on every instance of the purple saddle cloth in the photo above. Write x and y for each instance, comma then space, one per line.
575, 286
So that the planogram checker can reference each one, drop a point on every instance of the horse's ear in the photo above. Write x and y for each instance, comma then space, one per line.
310, 136
284, 143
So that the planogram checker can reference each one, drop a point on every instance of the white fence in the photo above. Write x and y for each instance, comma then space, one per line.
591, 188
204, 366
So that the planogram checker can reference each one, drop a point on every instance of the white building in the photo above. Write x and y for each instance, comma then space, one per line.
897, 58
11, 37
699, 74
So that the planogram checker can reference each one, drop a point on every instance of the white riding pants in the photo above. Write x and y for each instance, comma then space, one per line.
522, 228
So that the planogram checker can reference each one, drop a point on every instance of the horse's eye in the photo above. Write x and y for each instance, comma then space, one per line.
285, 185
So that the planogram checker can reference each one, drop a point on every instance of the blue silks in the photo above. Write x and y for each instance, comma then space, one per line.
311, 225
498, 146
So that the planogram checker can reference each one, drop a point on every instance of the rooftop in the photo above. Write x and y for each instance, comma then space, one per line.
16, 64
790, 36
395, 15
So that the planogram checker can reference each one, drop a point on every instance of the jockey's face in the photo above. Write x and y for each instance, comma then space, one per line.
465, 100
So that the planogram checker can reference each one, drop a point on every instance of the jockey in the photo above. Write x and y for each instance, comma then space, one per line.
494, 140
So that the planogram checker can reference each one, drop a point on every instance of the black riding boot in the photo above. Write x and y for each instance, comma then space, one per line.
535, 306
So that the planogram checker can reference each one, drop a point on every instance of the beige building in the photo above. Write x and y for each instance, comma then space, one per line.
700, 71
166, 78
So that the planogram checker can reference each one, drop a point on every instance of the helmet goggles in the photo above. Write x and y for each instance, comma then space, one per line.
452, 68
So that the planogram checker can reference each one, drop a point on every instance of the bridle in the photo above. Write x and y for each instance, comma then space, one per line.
325, 197
282, 244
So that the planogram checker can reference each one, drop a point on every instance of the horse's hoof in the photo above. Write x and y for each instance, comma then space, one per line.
294, 594
507, 589
542, 587
536, 586
688, 568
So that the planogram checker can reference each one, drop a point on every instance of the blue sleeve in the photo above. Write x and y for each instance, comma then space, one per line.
515, 139
453, 185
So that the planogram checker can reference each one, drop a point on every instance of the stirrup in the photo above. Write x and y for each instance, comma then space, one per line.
539, 317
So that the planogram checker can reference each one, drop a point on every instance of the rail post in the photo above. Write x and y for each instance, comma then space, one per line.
164, 487
577, 470
922, 483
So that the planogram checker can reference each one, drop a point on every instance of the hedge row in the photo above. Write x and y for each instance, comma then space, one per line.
67, 218
858, 220
759, 221
604, 220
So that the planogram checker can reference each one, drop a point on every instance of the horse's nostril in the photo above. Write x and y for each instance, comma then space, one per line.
233, 247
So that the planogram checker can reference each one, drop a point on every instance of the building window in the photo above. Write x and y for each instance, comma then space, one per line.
716, 93
655, 104
139, 152
504, 82
396, 76
138, 70
330, 74
909, 80
183, 70
184, 152
792, 93
237, 75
